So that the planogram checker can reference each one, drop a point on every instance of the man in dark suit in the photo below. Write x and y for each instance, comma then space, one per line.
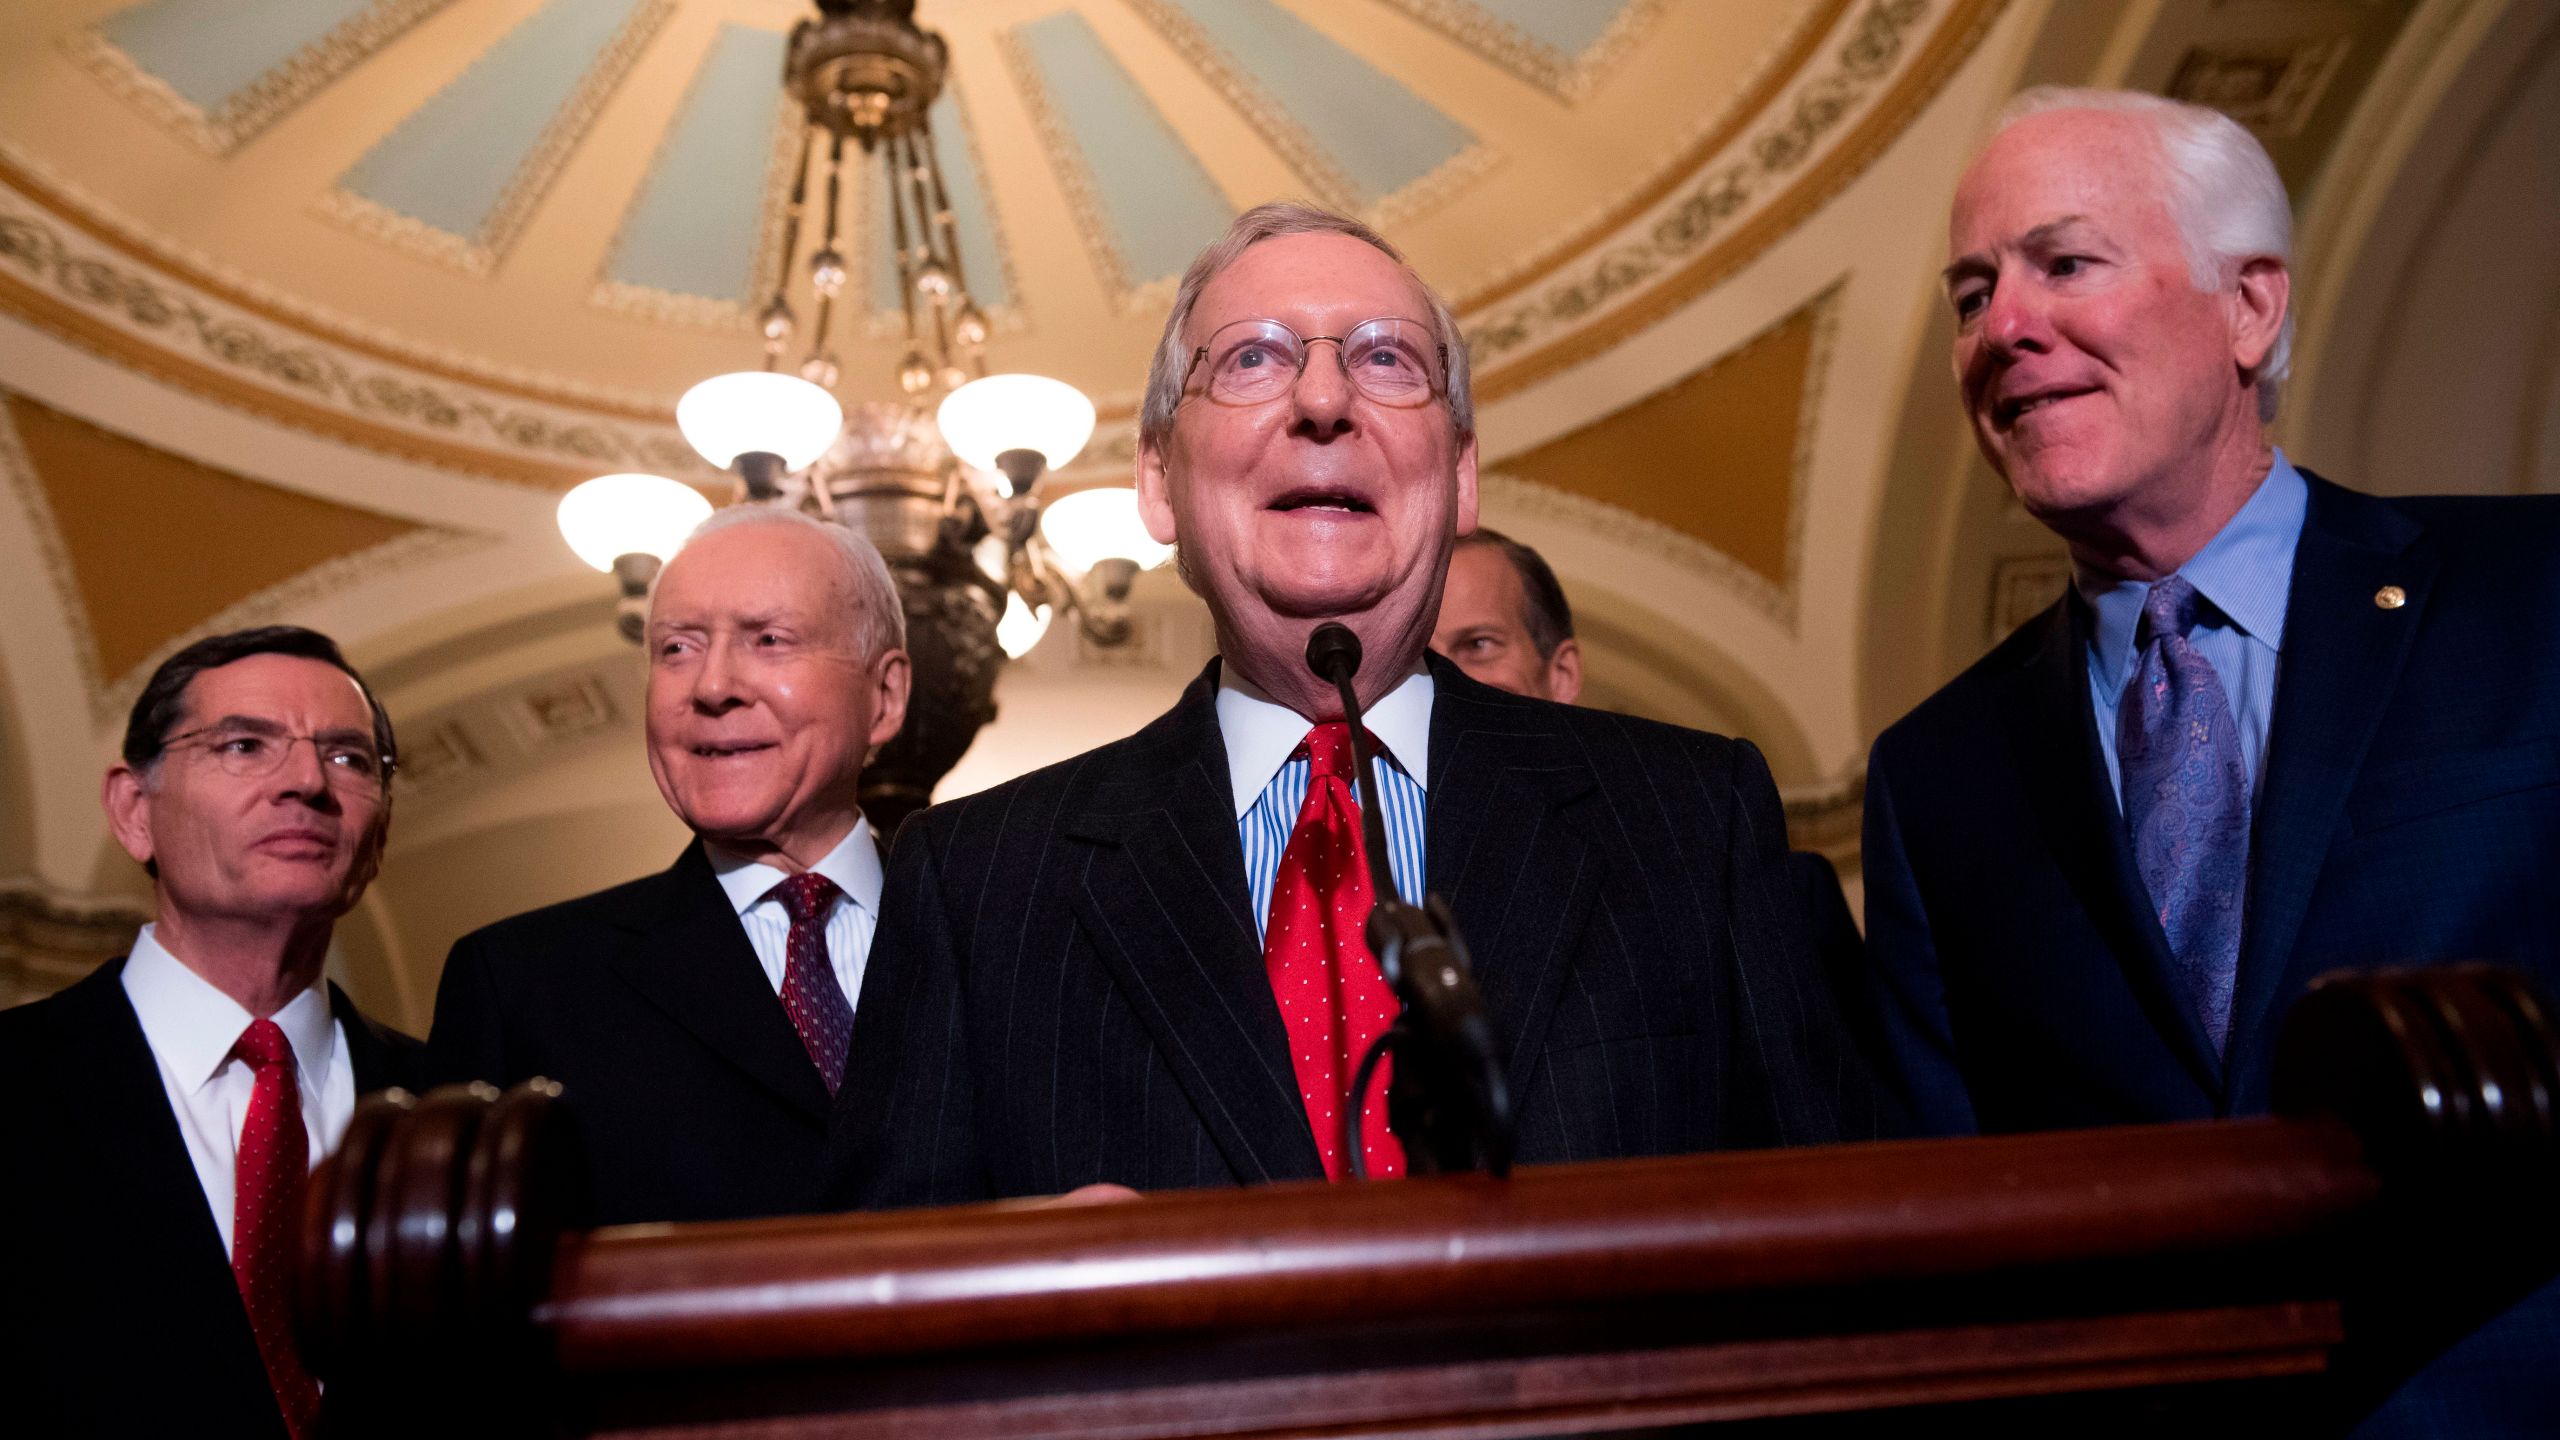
2276, 727
698, 1018
163, 1112
1143, 966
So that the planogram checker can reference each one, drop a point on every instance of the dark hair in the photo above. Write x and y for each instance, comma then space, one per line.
163, 702
1549, 620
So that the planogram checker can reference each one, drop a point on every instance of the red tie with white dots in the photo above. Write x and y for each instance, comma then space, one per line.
267, 1178
1332, 998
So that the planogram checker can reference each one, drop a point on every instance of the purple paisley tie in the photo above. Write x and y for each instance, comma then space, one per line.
2186, 800
810, 994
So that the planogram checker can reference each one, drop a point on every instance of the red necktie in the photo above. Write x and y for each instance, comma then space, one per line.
810, 994
1332, 998
273, 1159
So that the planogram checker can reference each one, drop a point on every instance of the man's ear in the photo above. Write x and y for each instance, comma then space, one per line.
1564, 671
894, 674
2259, 300
1155, 492
128, 804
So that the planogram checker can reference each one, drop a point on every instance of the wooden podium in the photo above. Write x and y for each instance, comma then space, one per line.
2096, 1281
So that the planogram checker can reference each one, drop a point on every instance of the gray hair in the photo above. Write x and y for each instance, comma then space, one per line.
2222, 190
1265, 222
880, 621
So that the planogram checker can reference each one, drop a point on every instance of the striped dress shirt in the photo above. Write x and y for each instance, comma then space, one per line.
855, 867
1270, 779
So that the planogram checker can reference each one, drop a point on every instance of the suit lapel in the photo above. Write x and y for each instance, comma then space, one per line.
690, 958
380, 1058
1504, 850
2054, 734
2342, 654
1164, 898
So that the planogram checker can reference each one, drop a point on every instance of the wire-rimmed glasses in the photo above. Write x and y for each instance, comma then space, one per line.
250, 751
1391, 361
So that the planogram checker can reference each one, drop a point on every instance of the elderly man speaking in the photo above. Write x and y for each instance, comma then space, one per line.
699, 1017
1143, 966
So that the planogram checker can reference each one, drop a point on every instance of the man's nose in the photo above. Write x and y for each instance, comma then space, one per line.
1323, 392
303, 775
2016, 318
715, 680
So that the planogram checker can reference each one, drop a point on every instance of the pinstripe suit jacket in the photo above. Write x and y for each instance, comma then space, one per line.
1067, 987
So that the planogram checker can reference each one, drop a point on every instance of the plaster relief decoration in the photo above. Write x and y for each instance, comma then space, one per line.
561, 711
435, 756
69, 283
1881, 65
219, 72
47, 940
1562, 48
460, 176
2272, 89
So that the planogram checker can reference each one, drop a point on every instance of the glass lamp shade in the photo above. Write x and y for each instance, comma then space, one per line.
727, 416
1021, 627
616, 515
1091, 526
984, 418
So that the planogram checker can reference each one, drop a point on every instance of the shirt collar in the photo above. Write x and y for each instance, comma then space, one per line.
2245, 571
191, 1025
1262, 733
854, 865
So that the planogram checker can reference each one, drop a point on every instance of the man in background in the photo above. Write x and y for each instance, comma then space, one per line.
2275, 728
1504, 620
699, 1018
163, 1113
1144, 966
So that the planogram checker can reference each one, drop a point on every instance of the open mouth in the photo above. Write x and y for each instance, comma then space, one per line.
2011, 411
727, 752
1323, 498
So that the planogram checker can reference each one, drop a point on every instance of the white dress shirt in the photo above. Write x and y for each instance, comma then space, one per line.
191, 1027
1270, 787
855, 867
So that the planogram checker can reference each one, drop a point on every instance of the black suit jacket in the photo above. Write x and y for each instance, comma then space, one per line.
2410, 813
1070, 989
120, 1315
690, 1090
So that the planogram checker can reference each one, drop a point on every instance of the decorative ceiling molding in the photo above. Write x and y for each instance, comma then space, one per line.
240, 115
26, 488
478, 252
1568, 76
36, 183
1877, 84
65, 282
49, 940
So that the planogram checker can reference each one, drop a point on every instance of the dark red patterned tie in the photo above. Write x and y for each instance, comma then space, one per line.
1332, 998
273, 1159
810, 994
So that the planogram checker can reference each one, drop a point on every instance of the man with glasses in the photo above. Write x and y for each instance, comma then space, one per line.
162, 1114
1144, 967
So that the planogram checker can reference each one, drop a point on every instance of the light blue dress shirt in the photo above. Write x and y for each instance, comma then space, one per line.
1270, 781
2245, 574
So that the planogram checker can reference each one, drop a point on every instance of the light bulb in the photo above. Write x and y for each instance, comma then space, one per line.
730, 415
1091, 526
1021, 627
986, 417
616, 515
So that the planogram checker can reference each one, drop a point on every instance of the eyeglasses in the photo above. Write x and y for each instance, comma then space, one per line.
1391, 361
244, 753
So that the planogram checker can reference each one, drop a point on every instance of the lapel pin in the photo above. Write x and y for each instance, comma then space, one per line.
2390, 597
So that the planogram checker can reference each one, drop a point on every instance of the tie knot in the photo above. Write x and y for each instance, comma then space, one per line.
1328, 748
2169, 609
806, 895
262, 1047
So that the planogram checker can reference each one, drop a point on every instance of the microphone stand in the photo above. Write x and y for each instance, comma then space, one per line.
1449, 1101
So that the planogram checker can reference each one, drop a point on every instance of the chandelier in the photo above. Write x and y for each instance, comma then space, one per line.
952, 499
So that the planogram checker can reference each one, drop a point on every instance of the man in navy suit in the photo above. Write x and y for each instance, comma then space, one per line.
2275, 728
1143, 966
161, 1114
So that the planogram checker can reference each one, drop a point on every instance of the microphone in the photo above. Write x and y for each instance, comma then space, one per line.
1449, 1101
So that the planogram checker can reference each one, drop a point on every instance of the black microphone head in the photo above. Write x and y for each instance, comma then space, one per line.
1333, 652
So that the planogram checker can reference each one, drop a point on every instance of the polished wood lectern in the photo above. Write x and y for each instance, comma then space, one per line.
2282, 1269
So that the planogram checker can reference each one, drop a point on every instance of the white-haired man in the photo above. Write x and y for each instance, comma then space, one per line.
2275, 728
1144, 966
699, 1018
